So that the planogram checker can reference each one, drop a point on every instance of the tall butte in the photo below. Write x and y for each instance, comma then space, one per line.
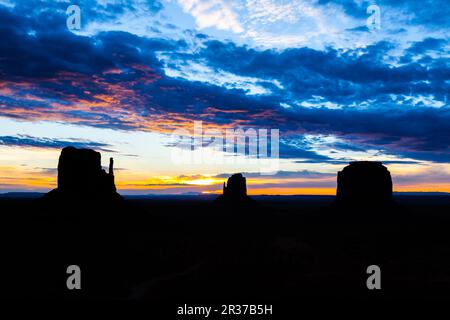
234, 192
80, 175
364, 183
236, 187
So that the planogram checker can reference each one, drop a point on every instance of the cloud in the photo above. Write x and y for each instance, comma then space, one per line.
50, 143
91, 10
212, 13
430, 176
426, 12
123, 81
302, 174
331, 73
270, 11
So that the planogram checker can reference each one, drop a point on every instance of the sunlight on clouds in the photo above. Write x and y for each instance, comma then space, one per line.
319, 102
292, 191
340, 149
212, 13
270, 11
282, 24
193, 71
7, 3
29, 157
430, 177
137, 17
267, 23
202, 182
421, 100
20, 178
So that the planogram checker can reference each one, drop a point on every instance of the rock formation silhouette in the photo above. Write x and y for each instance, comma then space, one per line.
364, 183
234, 192
236, 187
80, 176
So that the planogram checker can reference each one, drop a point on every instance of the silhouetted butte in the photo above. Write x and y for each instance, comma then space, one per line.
81, 177
364, 183
234, 192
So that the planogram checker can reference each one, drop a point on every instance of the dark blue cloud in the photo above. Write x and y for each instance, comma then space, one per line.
91, 10
338, 76
427, 44
420, 50
61, 67
351, 7
52, 48
432, 13
50, 143
421, 133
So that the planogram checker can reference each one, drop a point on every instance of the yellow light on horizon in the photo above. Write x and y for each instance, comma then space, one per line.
201, 182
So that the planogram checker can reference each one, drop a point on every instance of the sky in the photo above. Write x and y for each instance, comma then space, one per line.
338, 81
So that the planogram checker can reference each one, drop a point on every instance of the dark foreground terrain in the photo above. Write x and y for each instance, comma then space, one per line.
186, 250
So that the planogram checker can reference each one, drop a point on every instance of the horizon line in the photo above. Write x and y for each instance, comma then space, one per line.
218, 194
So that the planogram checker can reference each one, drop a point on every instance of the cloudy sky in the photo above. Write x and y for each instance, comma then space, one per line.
336, 88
